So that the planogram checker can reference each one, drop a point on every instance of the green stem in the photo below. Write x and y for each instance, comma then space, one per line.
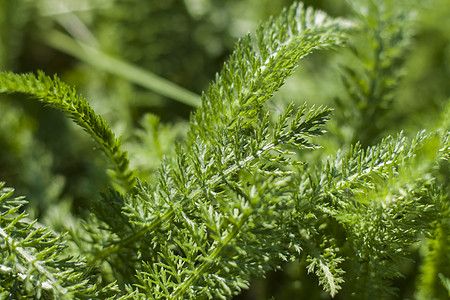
115, 66
211, 258
170, 212
130, 239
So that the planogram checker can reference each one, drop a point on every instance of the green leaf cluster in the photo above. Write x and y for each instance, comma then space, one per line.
33, 261
202, 212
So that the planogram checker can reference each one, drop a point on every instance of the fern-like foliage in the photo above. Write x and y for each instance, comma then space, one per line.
433, 282
58, 95
33, 263
382, 198
235, 201
259, 66
211, 213
371, 81
225, 222
435, 275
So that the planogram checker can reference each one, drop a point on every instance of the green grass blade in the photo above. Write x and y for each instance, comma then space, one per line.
118, 67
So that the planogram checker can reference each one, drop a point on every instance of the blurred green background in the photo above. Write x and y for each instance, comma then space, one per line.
116, 53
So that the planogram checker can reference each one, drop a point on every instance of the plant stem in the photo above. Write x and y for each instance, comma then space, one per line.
118, 67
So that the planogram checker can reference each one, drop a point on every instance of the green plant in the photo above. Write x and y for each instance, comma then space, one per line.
240, 197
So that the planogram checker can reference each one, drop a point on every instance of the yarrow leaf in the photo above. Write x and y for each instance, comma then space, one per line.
56, 94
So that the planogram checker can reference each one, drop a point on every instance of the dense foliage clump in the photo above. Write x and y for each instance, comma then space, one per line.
239, 192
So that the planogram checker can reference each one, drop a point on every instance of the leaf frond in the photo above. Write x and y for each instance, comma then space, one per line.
56, 94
